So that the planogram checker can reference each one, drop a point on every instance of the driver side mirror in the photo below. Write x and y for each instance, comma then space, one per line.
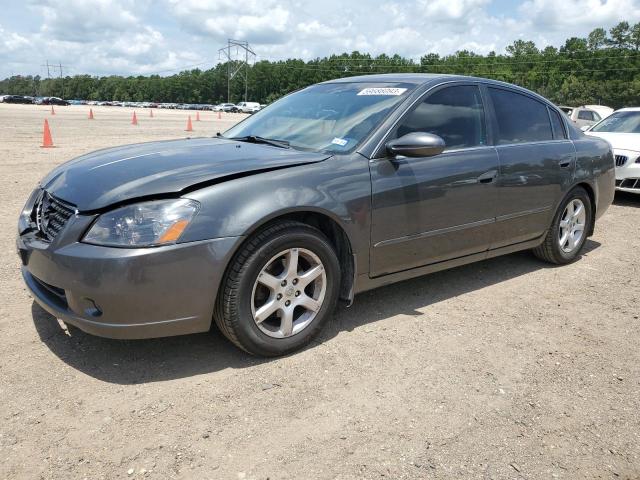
416, 144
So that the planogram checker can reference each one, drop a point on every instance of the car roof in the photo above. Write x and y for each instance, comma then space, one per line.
414, 78
629, 109
420, 79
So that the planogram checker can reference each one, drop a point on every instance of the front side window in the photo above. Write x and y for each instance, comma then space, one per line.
453, 113
328, 117
620, 122
519, 118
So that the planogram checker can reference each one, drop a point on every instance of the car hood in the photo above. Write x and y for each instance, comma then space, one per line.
620, 141
115, 175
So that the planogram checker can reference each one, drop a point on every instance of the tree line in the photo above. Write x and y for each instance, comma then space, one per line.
602, 68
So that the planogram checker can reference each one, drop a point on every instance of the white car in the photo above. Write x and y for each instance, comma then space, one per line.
248, 107
601, 110
622, 130
587, 115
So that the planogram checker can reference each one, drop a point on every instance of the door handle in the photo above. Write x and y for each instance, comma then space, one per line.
488, 177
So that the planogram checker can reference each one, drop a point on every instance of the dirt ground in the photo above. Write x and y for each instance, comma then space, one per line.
503, 369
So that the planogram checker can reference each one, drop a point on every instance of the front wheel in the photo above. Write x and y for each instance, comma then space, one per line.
568, 233
280, 289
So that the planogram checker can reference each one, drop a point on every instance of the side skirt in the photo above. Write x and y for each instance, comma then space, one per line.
364, 282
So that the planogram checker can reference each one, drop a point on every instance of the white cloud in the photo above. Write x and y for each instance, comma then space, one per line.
11, 41
255, 21
83, 20
572, 15
439, 10
147, 36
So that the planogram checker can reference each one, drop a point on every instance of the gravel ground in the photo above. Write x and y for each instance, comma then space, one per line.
508, 368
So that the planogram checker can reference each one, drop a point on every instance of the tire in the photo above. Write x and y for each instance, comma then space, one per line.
550, 250
242, 292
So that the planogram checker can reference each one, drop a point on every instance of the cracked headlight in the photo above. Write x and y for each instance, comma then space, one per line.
144, 224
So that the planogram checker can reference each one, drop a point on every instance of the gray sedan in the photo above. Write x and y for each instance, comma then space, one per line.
335, 189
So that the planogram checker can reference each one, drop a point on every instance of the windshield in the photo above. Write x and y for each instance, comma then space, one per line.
330, 117
620, 122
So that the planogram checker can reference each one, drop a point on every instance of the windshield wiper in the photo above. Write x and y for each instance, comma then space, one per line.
266, 141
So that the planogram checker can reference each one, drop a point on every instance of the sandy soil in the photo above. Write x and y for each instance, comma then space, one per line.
507, 368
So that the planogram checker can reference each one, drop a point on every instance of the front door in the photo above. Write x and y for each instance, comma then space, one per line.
431, 209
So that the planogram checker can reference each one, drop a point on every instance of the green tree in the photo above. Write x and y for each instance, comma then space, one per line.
620, 35
597, 39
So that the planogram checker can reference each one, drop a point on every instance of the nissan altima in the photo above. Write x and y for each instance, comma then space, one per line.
335, 189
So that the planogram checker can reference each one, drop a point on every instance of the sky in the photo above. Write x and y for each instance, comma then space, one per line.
132, 37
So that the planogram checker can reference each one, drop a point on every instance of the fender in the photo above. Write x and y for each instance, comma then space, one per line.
238, 207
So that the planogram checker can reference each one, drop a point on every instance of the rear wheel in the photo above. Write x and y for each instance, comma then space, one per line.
568, 233
280, 290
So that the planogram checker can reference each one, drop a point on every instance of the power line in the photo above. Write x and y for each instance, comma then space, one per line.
417, 68
446, 64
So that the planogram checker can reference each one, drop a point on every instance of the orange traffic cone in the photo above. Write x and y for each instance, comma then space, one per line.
189, 126
151, 113
90, 114
53, 112
47, 142
197, 116
219, 116
134, 119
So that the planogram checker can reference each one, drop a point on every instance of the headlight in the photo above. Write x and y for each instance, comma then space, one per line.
145, 224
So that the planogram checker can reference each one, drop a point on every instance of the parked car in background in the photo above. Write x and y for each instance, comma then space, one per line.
248, 107
586, 115
228, 107
601, 110
335, 189
54, 101
622, 130
18, 99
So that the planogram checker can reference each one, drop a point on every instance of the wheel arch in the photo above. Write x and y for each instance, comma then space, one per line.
330, 227
592, 197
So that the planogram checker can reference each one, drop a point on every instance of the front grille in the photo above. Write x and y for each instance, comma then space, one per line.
621, 160
51, 215
630, 183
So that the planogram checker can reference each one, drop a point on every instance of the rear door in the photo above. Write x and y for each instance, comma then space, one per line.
431, 209
537, 163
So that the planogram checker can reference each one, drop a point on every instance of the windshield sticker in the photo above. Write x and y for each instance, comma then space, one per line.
339, 141
382, 91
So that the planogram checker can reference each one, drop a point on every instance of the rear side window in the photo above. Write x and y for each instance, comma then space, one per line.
558, 127
454, 113
520, 118
585, 115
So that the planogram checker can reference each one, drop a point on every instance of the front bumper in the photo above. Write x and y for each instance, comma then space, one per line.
628, 174
127, 293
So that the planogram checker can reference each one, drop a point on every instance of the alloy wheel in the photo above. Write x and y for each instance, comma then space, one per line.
288, 292
572, 225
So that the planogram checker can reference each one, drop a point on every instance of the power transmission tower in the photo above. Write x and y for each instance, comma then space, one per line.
61, 77
47, 65
232, 63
